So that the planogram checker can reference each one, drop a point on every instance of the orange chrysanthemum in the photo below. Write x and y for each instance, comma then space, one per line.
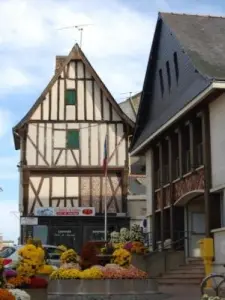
18, 281
6, 295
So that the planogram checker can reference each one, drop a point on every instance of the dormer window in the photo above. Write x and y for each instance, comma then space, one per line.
161, 81
168, 74
175, 60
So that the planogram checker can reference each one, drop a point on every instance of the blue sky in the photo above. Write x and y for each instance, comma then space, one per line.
117, 44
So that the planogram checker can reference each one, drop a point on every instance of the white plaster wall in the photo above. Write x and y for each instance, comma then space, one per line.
149, 157
44, 137
45, 141
217, 132
136, 208
69, 113
61, 187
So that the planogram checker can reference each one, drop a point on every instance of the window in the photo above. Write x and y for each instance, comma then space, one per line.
175, 60
73, 139
70, 97
161, 81
168, 74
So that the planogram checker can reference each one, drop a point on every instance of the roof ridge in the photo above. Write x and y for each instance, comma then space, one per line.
189, 14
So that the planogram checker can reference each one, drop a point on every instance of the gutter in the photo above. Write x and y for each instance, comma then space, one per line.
189, 106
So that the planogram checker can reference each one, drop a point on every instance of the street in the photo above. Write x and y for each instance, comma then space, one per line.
185, 292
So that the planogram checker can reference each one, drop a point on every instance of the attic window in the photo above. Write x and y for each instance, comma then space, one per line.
168, 74
161, 81
175, 60
70, 97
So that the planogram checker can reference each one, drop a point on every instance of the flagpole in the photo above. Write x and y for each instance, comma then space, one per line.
105, 173
106, 204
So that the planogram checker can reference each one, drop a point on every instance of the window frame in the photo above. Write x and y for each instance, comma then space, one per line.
67, 132
75, 92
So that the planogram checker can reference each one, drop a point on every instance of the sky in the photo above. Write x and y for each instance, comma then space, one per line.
117, 43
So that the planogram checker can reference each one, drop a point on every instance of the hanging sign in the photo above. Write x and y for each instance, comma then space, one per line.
63, 211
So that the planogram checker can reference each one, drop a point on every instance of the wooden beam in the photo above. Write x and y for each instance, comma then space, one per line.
153, 219
207, 168
161, 195
171, 186
180, 151
70, 171
25, 192
192, 146
124, 189
170, 158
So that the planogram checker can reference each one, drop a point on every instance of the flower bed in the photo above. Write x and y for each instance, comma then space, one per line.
6, 291
130, 240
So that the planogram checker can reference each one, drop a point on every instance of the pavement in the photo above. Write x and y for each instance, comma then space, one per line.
186, 292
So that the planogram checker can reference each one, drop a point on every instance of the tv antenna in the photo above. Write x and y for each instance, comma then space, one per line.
80, 28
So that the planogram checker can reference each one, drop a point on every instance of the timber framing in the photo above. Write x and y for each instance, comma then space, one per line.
75, 54
62, 141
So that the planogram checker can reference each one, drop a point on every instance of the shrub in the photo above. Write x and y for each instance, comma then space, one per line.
88, 256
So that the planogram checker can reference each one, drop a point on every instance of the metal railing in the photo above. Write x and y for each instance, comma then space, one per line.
178, 244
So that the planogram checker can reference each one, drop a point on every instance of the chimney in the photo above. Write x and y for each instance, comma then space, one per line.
59, 62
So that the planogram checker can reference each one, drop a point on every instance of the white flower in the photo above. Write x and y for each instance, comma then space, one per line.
114, 237
136, 234
19, 294
124, 235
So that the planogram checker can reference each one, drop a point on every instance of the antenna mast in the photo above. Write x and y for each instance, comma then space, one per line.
80, 28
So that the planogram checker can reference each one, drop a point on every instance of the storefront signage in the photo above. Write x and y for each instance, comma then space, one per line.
28, 221
62, 211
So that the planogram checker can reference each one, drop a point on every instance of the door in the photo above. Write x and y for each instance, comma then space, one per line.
197, 232
66, 235
93, 233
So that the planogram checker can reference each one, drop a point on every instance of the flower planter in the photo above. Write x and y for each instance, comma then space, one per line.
138, 260
37, 294
126, 289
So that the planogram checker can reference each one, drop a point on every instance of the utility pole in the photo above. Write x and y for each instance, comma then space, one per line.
80, 28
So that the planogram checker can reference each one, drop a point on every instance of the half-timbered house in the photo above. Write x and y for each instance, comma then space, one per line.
61, 140
180, 129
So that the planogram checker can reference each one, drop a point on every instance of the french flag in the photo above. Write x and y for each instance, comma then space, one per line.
105, 159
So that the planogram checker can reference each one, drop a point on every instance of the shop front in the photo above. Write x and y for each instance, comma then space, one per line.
70, 227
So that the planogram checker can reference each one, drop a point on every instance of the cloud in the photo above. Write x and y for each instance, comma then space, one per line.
29, 40
6, 119
8, 167
9, 226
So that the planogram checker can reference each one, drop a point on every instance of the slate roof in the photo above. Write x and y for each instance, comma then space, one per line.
130, 106
202, 38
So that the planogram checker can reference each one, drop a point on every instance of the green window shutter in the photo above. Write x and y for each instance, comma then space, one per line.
73, 139
71, 97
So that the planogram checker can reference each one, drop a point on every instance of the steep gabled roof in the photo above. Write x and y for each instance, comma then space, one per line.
75, 53
202, 38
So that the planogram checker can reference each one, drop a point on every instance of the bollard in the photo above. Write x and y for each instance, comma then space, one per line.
207, 253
